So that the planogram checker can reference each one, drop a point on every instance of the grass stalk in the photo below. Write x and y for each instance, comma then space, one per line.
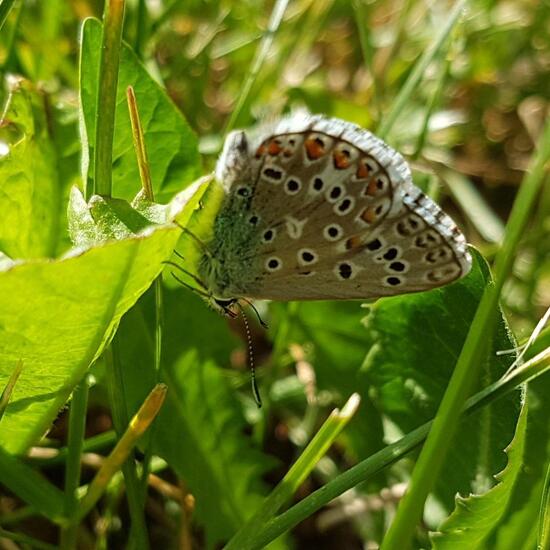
26, 541
5, 8
404, 96
123, 449
259, 59
77, 426
117, 398
360, 13
543, 536
147, 187
8, 389
369, 467
113, 18
282, 493
446, 421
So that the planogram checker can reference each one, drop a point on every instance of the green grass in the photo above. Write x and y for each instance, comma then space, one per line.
91, 320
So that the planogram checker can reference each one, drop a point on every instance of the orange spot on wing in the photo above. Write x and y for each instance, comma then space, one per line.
353, 242
315, 148
274, 148
371, 187
260, 152
363, 171
368, 215
341, 159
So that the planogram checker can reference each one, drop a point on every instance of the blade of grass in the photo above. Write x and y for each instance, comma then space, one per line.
119, 455
445, 423
316, 449
259, 59
138, 532
392, 453
434, 102
77, 426
420, 68
113, 17
5, 8
8, 390
147, 187
26, 540
366, 49
141, 26
543, 538
31, 487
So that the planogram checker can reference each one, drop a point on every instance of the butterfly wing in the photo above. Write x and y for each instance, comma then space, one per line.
338, 215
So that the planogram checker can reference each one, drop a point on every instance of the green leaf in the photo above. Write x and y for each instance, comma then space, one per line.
104, 218
171, 144
56, 316
199, 431
414, 343
476, 516
523, 511
30, 192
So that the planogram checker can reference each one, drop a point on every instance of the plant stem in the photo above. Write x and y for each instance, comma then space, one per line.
113, 18
120, 416
5, 8
316, 449
259, 59
123, 449
77, 426
419, 69
147, 187
7, 391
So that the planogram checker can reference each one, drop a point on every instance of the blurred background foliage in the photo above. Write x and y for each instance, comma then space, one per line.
469, 130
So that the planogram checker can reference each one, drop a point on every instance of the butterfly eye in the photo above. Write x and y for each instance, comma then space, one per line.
243, 191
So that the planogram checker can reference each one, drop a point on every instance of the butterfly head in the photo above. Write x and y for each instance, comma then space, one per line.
225, 306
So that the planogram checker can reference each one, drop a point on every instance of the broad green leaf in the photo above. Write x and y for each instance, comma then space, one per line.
414, 343
105, 218
56, 316
171, 144
517, 527
199, 431
476, 516
31, 195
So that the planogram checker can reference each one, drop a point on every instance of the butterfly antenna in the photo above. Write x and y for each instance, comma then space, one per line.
201, 243
260, 320
189, 287
255, 390
186, 272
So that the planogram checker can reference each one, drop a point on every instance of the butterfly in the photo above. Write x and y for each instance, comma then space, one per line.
318, 208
